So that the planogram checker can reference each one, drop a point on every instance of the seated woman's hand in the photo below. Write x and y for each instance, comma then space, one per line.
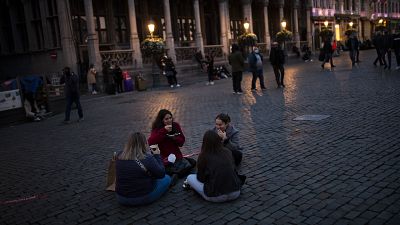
168, 128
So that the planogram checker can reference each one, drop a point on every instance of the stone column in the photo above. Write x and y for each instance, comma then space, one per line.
309, 31
168, 27
199, 35
267, 37
281, 3
224, 21
134, 37
67, 41
341, 6
296, 23
30, 31
247, 13
93, 43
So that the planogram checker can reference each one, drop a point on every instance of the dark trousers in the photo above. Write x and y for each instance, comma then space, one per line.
353, 56
279, 73
328, 58
237, 81
118, 86
172, 80
379, 57
397, 54
357, 57
389, 58
257, 74
383, 56
93, 87
71, 99
210, 76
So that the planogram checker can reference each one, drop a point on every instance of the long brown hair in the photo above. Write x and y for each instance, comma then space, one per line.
158, 122
135, 148
212, 147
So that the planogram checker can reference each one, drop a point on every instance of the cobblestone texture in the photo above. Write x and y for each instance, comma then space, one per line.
341, 170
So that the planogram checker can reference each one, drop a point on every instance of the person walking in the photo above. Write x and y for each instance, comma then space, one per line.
91, 78
236, 60
352, 45
387, 49
277, 59
378, 43
328, 50
71, 89
256, 67
357, 50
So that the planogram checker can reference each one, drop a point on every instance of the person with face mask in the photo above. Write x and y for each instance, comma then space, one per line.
256, 67
229, 136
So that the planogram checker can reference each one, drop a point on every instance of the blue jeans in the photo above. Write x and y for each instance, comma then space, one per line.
160, 188
71, 98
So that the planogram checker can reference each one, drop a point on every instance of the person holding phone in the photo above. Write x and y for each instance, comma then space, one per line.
140, 176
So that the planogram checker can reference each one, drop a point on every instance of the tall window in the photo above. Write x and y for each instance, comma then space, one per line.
6, 28
52, 21
21, 26
236, 28
186, 29
101, 29
37, 24
121, 21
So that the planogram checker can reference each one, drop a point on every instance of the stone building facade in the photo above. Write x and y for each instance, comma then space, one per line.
43, 36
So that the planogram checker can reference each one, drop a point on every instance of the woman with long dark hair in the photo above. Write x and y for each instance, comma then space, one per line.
141, 177
216, 179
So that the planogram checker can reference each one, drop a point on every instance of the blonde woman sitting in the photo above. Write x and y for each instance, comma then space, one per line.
141, 177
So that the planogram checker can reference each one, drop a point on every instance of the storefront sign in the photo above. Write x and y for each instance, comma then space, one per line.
10, 100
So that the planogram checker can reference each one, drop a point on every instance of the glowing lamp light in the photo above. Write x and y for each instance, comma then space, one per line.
283, 24
380, 21
246, 25
351, 24
151, 27
326, 23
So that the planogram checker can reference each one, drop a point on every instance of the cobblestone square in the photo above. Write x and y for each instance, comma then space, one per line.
344, 169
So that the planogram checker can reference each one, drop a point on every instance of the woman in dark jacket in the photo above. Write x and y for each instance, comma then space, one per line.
216, 179
140, 176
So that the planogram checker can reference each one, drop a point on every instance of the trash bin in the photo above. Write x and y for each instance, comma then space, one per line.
128, 85
140, 82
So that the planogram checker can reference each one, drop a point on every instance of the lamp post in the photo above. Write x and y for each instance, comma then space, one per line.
326, 23
155, 75
380, 21
246, 25
283, 24
351, 24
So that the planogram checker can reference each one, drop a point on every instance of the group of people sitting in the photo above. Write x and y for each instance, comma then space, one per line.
145, 169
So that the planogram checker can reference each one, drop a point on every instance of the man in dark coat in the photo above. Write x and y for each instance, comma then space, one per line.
387, 49
378, 43
396, 48
277, 59
72, 95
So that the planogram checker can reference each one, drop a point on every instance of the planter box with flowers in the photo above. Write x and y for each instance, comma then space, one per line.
380, 28
152, 46
326, 33
247, 39
283, 36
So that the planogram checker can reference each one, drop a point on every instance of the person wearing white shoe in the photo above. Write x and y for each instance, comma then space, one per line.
169, 71
91, 78
210, 68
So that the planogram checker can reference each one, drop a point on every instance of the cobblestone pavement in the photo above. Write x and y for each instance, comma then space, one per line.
344, 169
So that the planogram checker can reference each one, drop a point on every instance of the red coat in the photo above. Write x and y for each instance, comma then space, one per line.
168, 145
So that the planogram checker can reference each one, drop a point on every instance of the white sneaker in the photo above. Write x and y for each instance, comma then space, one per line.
208, 83
94, 93
172, 86
212, 82
178, 85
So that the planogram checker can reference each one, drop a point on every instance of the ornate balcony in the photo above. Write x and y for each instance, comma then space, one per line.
185, 53
120, 57
216, 49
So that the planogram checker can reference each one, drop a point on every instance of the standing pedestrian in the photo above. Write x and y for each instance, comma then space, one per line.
256, 67
236, 60
396, 48
210, 68
387, 49
357, 49
91, 78
351, 45
277, 58
169, 71
71, 89
328, 50
378, 43
117, 76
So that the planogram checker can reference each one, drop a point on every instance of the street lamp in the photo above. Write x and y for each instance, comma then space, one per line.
283, 24
151, 27
326, 23
380, 21
351, 24
246, 25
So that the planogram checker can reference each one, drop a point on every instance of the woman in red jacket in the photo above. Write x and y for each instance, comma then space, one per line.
168, 135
